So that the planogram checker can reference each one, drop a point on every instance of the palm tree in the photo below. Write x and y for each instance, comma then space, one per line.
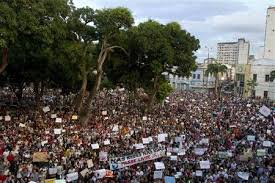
216, 69
251, 84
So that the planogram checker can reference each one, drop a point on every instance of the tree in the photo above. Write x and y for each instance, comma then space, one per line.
38, 29
216, 69
108, 24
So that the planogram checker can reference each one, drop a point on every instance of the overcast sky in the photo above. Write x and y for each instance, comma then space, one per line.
211, 21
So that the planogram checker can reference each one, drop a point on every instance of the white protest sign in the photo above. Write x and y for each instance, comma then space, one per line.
104, 113
58, 120
161, 137
144, 118
159, 165
139, 146
22, 125
103, 156
181, 152
53, 116
74, 117
107, 142
243, 175
52, 171
1, 117
173, 158
268, 132
150, 139
198, 173
7, 118
44, 142
178, 139
158, 174
267, 143
90, 163
250, 137
199, 151
100, 173
204, 141
115, 128
60, 181
72, 176
261, 152
46, 109
265, 111
145, 140
84, 172
205, 164
95, 146
57, 131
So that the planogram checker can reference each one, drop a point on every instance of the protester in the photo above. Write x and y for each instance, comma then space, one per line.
192, 137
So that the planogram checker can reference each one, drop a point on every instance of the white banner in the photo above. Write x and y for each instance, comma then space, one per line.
265, 111
118, 164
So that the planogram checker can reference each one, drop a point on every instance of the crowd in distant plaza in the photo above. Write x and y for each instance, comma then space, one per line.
191, 137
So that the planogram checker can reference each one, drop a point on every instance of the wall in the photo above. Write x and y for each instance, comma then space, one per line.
270, 34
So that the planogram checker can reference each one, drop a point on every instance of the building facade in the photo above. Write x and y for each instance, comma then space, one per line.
233, 53
269, 51
197, 81
260, 73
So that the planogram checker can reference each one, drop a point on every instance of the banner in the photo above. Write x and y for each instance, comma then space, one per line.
265, 111
40, 157
118, 164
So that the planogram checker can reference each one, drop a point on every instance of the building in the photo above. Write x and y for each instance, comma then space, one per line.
209, 61
197, 81
269, 51
233, 53
260, 73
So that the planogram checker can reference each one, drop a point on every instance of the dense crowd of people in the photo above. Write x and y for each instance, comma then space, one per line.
191, 137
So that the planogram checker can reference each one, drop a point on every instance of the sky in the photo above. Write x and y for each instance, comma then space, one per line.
211, 21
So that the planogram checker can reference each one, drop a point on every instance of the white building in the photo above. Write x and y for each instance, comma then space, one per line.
197, 81
269, 51
260, 72
233, 53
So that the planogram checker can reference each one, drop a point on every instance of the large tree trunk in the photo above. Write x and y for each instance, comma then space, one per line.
86, 113
4, 63
80, 97
152, 96
216, 84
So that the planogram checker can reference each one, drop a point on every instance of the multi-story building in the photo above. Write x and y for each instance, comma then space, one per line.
233, 53
269, 51
197, 81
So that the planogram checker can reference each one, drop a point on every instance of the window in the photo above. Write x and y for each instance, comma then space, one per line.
265, 94
266, 78
254, 77
198, 76
194, 76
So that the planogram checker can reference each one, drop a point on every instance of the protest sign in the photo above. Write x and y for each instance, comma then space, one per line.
205, 164
265, 111
48, 181
161, 137
104, 113
169, 179
90, 163
139, 146
198, 173
178, 175
1, 118
115, 128
267, 143
22, 125
40, 157
261, 152
53, 116
115, 163
109, 173
144, 118
107, 142
204, 141
84, 172
250, 137
145, 140
268, 132
74, 117
58, 120
72, 176
223, 154
158, 174
95, 146
173, 158
103, 156
46, 109
243, 158
57, 131
52, 171
60, 181
243, 175
199, 151
7, 118
159, 165
44, 142
100, 173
